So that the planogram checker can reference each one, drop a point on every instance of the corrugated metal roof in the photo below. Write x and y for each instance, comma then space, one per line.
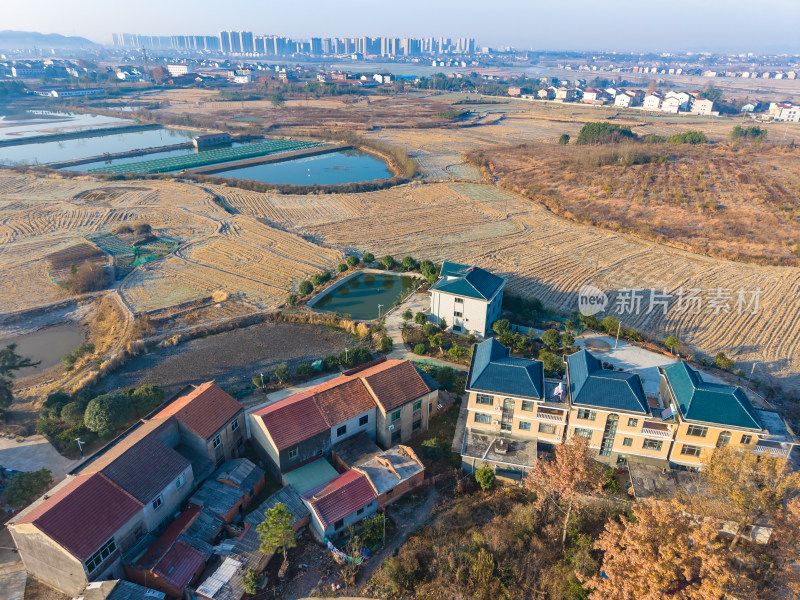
220, 577
311, 475
492, 370
592, 385
286, 495
180, 564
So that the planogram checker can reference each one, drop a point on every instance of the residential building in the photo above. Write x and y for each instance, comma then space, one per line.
344, 501
610, 409
177, 69
393, 473
702, 106
514, 91
546, 94
594, 96
711, 415
625, 99
784, 111
681, 100
652, 101
468, 298
671, 105
566, 94
229, 491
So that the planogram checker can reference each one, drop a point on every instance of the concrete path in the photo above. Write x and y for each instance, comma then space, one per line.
34, 453
12, 572
394, 322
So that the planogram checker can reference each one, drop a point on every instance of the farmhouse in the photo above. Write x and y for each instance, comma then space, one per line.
652, 101
468, 298
702, 106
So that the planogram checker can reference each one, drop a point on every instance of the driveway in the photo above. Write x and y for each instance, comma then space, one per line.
32, 454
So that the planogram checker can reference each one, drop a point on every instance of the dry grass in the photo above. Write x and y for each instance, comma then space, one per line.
733, 202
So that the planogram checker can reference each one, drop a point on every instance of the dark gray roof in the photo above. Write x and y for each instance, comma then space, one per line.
592, 385
118, 589
467, 281
289, 496
220, 498
494, 371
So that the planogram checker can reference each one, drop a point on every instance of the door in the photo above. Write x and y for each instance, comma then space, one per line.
508, 415
608, 435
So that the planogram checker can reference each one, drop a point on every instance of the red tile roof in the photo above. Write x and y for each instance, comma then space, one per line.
346, 399
180, 564
204, 410
394, 383
84, 514
165, 541
341, 497
292, 420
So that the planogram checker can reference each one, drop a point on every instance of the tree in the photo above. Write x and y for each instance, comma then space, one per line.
72, 413
442, 324
658, 554
563, 139
305, 287
485, 477
611, 325
567, 339
551, 338
147, 398
276, 99
746, 486
276, 531
282, 373
672, 343
457, 351
564, 480
552, 363
107, 413
501, 326
10, 363
409, 264
369, 257
407, 315
604, 133
387, 262
251, 581
386, 344
342, 267
420, 318
352, 261
723, 362
419, 349
291, 299
24, 488
159, 74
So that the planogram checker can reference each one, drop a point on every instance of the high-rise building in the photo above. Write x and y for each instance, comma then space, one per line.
225, 41
316, 46
246, 42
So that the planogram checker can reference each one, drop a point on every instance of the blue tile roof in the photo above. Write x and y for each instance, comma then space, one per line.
592, 385
467, 281
706, 402
493, 370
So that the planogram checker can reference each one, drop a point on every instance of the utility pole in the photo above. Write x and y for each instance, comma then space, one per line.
619, 327
749, 379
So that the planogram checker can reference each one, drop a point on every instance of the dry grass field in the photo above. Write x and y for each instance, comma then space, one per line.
734, 202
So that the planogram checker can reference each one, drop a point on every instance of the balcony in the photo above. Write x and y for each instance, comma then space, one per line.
548, 414
656, 430
772, 448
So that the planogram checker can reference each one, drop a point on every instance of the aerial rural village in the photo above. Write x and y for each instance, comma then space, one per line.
397, 318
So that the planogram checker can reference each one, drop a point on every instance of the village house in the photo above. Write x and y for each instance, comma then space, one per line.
652, 101
337, 504
566, 94
468, 298
702, 106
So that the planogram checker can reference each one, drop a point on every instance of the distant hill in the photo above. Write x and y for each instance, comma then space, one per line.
28, 39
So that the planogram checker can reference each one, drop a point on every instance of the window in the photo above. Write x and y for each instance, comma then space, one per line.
235, 425
96, 559
524, 425
697, 431
545, 428
360, 511
481, 418
688, 450
746, 439
586, 414
180, 481
633, 422
417, 405
396, 436
416, 424
339, 524
651, 444
158, 502
293, 453
395, 416
627, 441
341, 431
457, 314
363, 420
459, 301
527, 405
587, 433
457, 328
217, 441
723, 439
484, 399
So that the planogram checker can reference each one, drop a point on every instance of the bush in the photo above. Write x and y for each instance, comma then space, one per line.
147, 398
305, 287
446, 376
551, 338
429, 329
563, 139
553, 365
610, 324
407, 315
251, 581
24, 488
72, 414
723, 362
485, 478
106, 413
354, 357
282, 373
320, 278
341, 268
604, 133
386, 344
304, 371
688, 137
330, 362
501, 326
611, 484
291, 299
419, 349
457, 351
754, 133
369, 257
373, 530
420, 318
352, 261
433, 448
387, 262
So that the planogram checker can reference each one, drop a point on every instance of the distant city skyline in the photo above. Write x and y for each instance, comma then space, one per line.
614, 25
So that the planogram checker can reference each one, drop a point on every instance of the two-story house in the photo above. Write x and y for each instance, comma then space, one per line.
511, 416
468, 298
712, 415
610, 409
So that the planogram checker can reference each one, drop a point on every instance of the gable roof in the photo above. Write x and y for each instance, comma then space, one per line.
180, 564
204, 410
493, 370
292, 420
341, 399
592, 385
84, 514
395, 383
467, 281
142, 464
341, 497
706, 402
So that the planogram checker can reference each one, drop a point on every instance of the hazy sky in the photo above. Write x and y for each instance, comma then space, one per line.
714, 25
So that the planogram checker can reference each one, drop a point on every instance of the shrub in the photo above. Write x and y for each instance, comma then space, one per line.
320, 278
688, 137
291, 299
352, 261
330, 362
446, 376
755, 133
24, 488
88, 277
407, 314
457, 351
373, 530
386, 344
147, 398
72, 413
282, 373
429, 329
563, 139
551, 338
304, 371
369, 257
611, 484
420, 318
485, 478
251, 581
341, 268
604, 133
419, 349
723, 362
553, 365
610, 324
354, 357
433, 448
501, 326
305, 287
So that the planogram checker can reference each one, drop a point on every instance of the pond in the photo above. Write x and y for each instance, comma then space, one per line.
92, 145
349, 166
360, 295
16, 123
46, 345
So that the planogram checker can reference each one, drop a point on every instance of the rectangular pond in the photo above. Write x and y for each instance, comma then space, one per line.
16, 123
360, 295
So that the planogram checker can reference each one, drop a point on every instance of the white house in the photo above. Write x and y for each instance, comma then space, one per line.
784, 111
468, 298
652, 101
702, 106
624, 99
177, 70
681, 99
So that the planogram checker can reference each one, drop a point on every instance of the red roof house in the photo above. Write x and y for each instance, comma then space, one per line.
341, 502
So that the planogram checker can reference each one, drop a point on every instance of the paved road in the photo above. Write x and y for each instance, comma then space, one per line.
34, 453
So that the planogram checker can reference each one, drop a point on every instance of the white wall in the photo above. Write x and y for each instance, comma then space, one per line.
354, 428
474, 312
